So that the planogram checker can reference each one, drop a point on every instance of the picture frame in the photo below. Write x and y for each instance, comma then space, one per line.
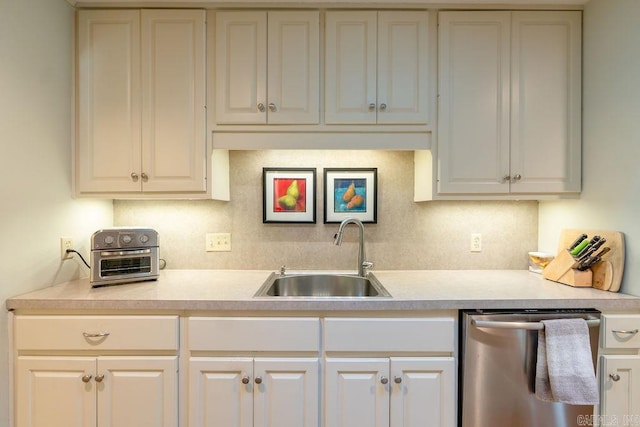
289, 195
352, 193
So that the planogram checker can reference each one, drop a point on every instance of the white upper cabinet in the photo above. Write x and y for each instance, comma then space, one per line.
376, 67
509, 102
267, 67
141, 102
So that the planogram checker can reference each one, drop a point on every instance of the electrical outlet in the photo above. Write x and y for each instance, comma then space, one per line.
476, 242
66, 243
218, 242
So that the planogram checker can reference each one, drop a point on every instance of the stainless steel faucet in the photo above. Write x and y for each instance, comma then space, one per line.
362, 264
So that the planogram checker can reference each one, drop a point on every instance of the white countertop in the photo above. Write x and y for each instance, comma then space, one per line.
233, 290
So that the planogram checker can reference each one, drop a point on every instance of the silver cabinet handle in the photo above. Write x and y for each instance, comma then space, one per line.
397, 380
624, 331
506, 178
99, 378
98, 335
245, 380
258, 380
372, 106
272, 107
517, 177
383, 106
134, 176
86, 378
145, 177
261, 107
614, 377
384, 380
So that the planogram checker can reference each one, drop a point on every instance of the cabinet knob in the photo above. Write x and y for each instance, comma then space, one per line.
506, 178
99, 378
614, 377
517, 177
261, 107
384, 380
372, 106
134, 176
272, 107
258, 380
86, 378
145, 177
397, 380
245, 380
383, 106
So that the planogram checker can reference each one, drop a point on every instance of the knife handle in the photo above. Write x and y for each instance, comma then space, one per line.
577, 242
580, 247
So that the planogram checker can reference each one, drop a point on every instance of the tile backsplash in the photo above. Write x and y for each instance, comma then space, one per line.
408, 235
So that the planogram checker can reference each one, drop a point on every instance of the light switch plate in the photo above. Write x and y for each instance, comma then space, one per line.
218, 242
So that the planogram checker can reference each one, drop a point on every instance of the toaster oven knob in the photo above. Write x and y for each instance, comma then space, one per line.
108, 240
144, 238
126, 239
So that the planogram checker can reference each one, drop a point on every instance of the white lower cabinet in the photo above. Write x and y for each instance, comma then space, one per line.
96, 371
395, 391
619, 370
253, 392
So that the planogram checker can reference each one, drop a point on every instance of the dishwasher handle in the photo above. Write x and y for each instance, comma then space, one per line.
530, 326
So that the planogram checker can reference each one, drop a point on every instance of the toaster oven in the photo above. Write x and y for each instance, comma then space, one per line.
124, 255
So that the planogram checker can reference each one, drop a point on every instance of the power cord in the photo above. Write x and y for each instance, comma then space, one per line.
80, 255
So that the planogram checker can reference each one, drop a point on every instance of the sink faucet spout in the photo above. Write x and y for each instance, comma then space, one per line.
362, 264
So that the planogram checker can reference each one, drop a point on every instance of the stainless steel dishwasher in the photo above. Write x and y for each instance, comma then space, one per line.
498, 368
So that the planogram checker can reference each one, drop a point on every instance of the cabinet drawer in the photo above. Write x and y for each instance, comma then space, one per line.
390, 335
254, 334
96, 332
621, 330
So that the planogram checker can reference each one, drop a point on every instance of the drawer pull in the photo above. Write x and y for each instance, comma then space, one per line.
98, 335
623, 331
614, 377
86, 378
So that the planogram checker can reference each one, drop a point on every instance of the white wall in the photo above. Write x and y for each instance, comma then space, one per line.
36, 207
611, 131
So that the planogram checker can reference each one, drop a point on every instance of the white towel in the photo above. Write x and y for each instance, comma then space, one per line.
564, 369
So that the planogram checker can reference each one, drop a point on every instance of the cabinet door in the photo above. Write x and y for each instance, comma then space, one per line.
50, 392
137, 391
287, 396
241, 67
619, 399
423, 392
108, 146
546, 102
218, 395
354, 393
173, 100
403, 83
350, 67
474, 88
293, 67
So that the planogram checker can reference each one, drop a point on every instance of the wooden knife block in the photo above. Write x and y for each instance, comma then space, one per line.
560, 270
606, 275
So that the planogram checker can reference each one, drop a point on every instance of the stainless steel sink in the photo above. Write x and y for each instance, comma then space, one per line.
321, 285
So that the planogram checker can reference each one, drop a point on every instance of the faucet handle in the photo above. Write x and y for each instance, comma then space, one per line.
367, 265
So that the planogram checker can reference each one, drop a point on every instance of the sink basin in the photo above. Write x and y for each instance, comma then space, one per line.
321, 285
